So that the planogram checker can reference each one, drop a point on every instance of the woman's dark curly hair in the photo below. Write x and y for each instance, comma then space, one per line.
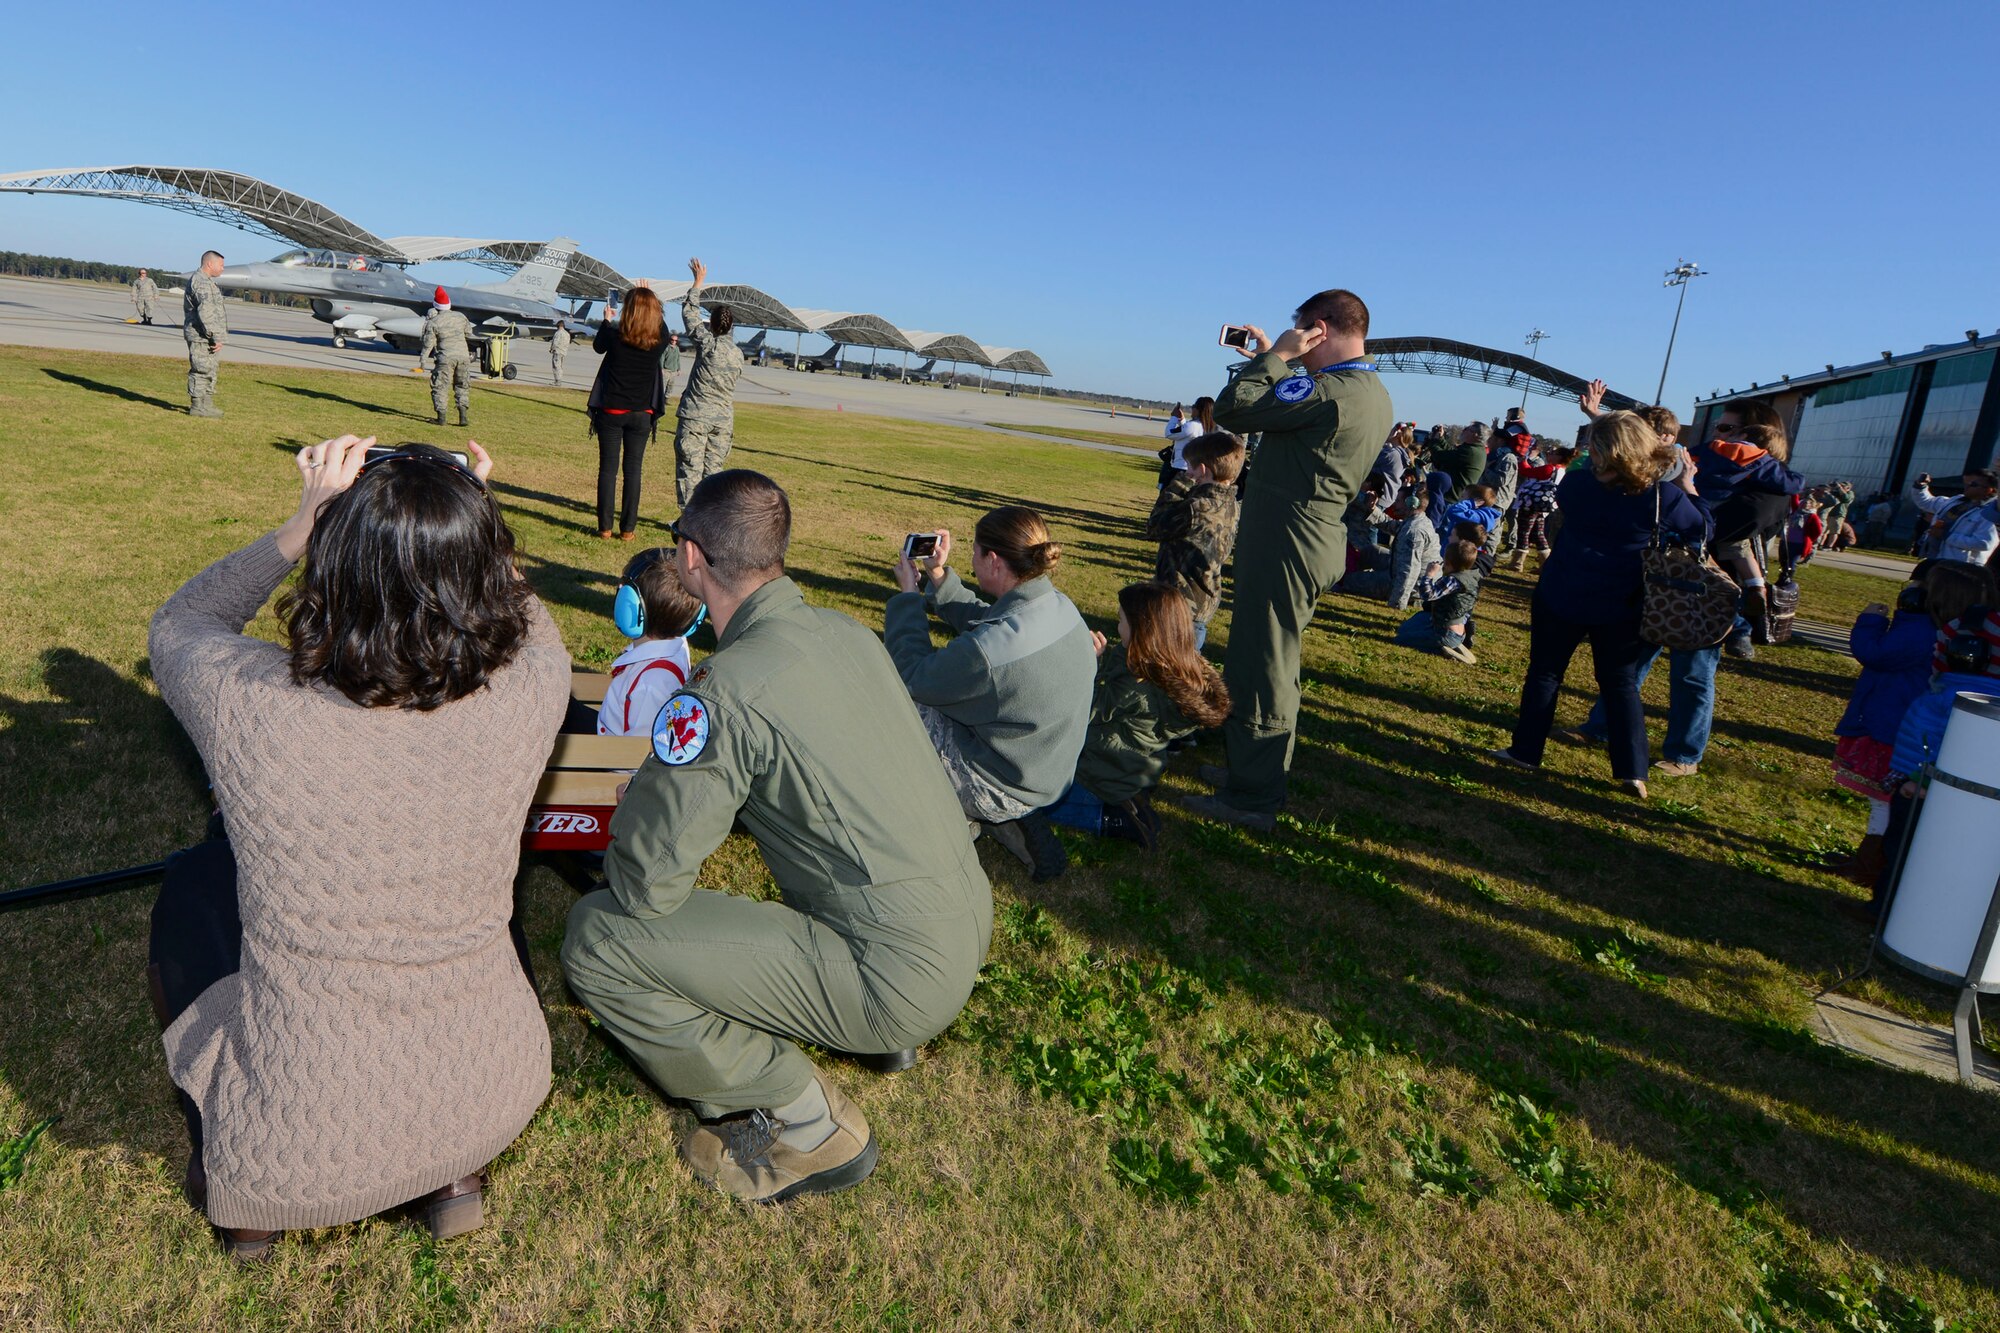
409, 598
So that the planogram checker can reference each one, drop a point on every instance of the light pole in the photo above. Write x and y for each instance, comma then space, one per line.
1680, 275
1534, 345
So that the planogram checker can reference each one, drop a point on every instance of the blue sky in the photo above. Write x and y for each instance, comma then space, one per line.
1108, 184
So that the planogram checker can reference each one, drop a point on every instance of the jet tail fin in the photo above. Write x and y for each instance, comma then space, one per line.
539, 278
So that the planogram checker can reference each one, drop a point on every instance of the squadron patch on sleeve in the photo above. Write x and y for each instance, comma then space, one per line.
680, 732
1293, 388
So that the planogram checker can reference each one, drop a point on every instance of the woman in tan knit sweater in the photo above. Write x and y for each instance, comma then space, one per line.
364, 1034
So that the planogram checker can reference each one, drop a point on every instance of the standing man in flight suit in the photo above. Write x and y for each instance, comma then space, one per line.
708, 406
558, 349
205, 326
670, 359
445, 332
1323, 424
144, 292
799, 725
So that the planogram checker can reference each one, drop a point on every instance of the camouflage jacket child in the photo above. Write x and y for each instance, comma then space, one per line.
1196, 529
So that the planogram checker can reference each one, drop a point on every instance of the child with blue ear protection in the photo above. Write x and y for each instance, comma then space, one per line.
657, 614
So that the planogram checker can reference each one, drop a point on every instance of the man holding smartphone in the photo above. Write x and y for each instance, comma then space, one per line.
1323, 423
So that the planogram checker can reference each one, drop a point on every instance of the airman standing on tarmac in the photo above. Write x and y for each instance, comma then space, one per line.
144, 292
708, 405
445, 333
1323, 424
670, 360
558, 349
798, 725
205, 326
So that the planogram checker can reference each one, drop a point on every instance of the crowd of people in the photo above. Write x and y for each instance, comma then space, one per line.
353, 1023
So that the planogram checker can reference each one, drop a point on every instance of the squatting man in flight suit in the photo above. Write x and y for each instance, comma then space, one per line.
799, 725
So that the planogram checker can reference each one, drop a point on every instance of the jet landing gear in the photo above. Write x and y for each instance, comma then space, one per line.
339, 340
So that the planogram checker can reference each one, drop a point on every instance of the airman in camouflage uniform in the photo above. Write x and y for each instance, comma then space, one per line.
205, 326
144, 292
558, 350
708, 405
445, 333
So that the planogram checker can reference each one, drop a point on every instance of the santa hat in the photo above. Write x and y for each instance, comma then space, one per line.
443, 299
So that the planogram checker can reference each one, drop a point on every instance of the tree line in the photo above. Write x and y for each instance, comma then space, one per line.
20, 265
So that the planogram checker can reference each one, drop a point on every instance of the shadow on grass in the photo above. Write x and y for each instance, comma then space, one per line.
112, 390
79, 1042
588, 590
355, 403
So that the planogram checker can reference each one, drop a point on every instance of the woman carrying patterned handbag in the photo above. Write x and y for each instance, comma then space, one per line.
1591, 587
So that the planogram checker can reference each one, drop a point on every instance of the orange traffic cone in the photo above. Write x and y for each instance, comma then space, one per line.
836, 407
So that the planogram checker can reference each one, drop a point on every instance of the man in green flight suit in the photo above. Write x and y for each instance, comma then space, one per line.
798, 725
1323, 425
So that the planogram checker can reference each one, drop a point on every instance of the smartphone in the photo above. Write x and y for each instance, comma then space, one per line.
380, 451
1235, 335
920, 545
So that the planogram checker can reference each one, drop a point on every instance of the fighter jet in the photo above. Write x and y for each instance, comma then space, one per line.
360, 295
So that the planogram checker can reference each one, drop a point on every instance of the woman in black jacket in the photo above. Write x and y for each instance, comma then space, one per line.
1592, 585
626, 402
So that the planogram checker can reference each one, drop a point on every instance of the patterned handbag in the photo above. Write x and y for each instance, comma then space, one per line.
1688, 601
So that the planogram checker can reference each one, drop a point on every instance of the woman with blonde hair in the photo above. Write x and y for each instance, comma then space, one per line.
1007, 701
1592, 584
626, 402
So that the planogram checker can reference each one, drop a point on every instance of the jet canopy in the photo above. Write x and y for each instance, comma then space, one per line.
330, 259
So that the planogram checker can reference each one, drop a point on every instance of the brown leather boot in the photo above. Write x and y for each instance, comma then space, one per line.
456, 1209
1870, 860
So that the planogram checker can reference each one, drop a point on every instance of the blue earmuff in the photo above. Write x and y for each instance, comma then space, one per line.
628, 612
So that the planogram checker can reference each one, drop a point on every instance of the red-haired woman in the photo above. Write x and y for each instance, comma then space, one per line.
626, 402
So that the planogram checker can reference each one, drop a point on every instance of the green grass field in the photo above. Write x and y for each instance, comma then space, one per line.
1454, 1048
1130, 441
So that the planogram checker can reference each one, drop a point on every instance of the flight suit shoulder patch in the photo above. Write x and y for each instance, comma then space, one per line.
682, 729
1294, 388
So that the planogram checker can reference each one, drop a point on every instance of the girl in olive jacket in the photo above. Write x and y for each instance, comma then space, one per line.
1153, 688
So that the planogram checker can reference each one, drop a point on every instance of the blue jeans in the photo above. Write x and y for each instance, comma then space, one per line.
1077, 808
1615, 651
1420, 632
1690, 703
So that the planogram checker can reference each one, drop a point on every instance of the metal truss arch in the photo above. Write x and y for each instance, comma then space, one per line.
852, 330
1017, 359
229, 197
1487, 365
948, 347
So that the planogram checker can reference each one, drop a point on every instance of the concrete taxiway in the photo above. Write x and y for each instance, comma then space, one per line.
92, 317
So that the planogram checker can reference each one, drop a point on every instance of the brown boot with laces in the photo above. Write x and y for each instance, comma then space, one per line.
764, 1157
